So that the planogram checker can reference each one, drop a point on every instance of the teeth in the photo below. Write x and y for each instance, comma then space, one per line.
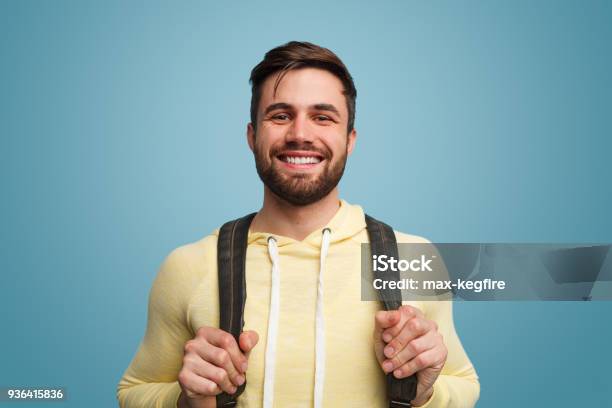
302, 160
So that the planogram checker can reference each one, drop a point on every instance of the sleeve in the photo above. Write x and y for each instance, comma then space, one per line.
458, 385
151, 378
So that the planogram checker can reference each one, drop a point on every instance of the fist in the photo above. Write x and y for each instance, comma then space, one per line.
407, 343
213, 363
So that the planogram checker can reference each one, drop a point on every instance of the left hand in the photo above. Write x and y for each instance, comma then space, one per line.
405, 343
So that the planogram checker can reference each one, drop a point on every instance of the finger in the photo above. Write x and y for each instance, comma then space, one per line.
247, 340
216, 374
384, 320
226, 341
412, 329
196, 386
406, 313
429, 358
215, 355
415, 347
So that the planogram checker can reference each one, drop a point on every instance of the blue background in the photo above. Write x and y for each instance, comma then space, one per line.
123, 136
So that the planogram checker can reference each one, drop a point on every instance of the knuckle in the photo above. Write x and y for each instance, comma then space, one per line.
190, 346
226, 340
414, 325
222, 376
444, 357
183, 376
202, 332
191, 360
222, 357
212, 388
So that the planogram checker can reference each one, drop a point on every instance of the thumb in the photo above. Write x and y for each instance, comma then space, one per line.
247, 340
385, 319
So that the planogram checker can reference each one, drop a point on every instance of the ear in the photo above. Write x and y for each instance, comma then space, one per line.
352, 139
251, 136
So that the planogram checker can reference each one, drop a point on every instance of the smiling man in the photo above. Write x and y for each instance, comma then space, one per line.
308, 339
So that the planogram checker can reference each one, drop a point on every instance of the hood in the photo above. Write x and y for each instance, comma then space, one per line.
348, 222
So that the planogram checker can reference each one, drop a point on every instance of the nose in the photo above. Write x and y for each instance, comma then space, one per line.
299, 131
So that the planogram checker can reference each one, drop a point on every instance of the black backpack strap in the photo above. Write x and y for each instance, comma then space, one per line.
382, 241
231, 262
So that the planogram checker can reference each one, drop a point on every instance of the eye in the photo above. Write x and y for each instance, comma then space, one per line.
281, 117
322, 118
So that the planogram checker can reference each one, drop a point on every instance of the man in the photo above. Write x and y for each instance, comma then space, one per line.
308, 338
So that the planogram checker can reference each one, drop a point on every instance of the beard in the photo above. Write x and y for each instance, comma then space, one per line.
299, 189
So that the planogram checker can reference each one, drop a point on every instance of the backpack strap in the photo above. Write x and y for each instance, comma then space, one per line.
231, 261
382, 241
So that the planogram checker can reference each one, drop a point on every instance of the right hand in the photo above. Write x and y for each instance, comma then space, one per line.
213, 363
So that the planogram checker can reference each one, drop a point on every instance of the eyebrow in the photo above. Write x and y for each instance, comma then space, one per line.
327, 107
275, 106
318, 106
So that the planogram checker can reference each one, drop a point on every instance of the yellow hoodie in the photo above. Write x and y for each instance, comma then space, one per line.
184, 297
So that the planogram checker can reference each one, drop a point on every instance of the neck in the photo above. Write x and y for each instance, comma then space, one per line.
280, 217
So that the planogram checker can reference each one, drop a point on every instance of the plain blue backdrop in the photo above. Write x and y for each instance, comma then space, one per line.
123, 137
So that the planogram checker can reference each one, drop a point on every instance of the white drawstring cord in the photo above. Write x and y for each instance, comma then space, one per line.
320, 326
270, 360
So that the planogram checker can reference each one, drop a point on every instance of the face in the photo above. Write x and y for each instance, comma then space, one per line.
301, 144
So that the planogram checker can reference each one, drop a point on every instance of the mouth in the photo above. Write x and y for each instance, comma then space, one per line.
300, 159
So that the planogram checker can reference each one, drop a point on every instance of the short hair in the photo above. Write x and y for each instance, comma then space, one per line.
296, 55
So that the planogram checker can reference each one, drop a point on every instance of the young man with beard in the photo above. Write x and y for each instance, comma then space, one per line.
308, 339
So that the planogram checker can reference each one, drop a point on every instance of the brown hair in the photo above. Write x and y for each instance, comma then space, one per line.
295, 55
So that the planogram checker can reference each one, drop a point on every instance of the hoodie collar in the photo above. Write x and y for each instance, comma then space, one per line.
348, 221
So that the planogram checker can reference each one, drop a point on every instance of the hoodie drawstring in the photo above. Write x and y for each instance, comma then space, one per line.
270, 358
320, 326
270, 361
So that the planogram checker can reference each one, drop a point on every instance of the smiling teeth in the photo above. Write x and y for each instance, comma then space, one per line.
302, 160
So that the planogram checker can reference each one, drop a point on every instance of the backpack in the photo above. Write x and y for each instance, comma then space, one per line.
231, 260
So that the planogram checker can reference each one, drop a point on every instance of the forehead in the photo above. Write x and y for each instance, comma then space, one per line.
304, 87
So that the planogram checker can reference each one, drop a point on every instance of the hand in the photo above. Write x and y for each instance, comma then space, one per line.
405, 343
213, 363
